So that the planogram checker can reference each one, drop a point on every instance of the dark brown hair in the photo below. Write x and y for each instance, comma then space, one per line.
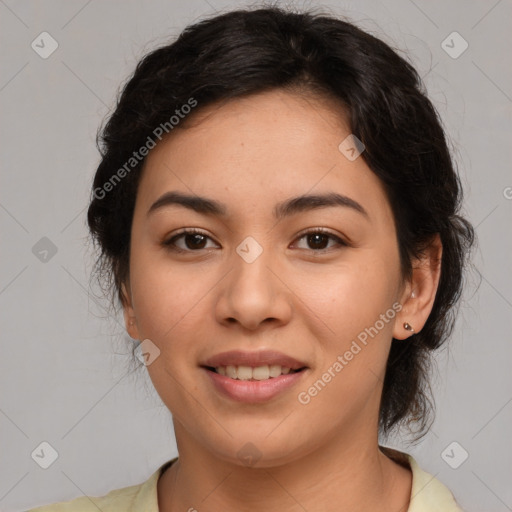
248, 51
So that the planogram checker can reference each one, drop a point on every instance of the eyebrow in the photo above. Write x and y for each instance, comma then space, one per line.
292, 206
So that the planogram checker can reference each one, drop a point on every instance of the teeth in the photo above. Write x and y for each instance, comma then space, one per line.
275, 370
231, 372
244, 372
248, 373
261, 373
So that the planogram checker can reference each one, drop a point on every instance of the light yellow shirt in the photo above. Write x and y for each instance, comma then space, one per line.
427, 495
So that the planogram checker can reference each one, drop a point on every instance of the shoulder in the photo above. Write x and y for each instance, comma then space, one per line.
428, 494
142, 496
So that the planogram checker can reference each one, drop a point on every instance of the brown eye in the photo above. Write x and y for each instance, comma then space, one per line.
193, 240
318, 240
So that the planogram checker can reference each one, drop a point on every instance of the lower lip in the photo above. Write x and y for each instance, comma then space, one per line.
253, 391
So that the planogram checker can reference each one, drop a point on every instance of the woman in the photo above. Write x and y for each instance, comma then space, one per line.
278, 212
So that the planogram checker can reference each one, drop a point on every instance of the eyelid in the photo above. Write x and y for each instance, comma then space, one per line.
314, 230
170, 242
322, 230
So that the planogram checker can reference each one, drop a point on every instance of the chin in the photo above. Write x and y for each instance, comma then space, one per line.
251, 450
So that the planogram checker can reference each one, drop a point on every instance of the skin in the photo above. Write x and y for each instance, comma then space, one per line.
250, 154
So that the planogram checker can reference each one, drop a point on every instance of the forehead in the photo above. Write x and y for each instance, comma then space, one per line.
254, 149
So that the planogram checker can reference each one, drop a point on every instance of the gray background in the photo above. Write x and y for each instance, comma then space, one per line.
64, 366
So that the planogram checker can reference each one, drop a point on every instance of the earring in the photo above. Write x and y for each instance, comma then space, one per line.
408, 327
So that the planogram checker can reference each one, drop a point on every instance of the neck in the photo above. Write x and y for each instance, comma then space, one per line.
352, 475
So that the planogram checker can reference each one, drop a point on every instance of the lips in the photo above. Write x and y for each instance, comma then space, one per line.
253, 359
253, 377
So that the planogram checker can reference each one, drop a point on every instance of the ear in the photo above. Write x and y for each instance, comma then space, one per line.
420, 292
130, 319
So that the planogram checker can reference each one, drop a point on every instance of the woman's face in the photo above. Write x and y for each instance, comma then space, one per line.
261, 287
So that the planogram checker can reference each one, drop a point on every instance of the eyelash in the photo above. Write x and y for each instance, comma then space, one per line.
170, 243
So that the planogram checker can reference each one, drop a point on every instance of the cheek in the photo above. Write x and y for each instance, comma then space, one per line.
351, 296
168, 299
356, 303
170, 309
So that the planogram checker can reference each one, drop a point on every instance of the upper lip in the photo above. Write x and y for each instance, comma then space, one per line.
253, 359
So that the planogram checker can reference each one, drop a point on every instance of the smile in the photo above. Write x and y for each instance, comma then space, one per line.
258, 373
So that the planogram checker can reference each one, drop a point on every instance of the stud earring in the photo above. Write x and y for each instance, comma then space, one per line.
408, 327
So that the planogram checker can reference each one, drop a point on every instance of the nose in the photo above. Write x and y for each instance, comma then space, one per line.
254, 293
